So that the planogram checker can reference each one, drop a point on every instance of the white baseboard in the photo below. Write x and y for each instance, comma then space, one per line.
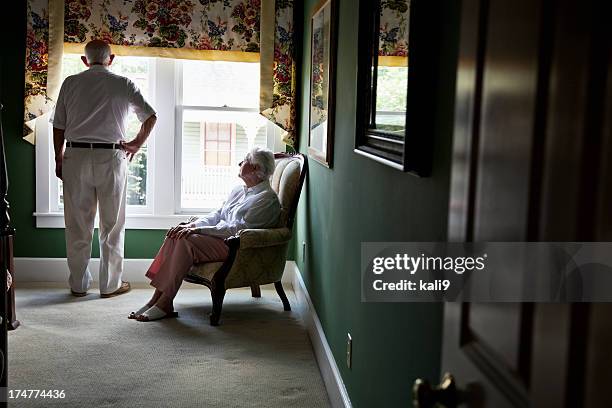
336, 390
55, 271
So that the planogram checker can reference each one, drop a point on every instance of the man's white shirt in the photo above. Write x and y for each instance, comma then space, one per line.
98, 102
255, 207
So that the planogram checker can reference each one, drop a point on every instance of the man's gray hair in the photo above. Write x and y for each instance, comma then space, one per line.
264, 159
97, 52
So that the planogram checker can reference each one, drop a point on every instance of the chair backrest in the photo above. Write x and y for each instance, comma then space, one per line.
287, 181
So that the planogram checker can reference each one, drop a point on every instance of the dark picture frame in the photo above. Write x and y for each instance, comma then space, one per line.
323, 46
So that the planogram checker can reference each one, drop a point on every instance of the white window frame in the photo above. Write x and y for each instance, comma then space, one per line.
273, 141
163, 209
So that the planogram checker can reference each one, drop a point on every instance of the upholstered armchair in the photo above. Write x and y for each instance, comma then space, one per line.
257, 256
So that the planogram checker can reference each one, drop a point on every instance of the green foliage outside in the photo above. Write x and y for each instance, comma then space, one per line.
392, 85
391, 98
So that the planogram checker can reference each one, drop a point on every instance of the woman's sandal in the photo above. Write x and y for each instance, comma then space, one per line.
134, 315
155, 313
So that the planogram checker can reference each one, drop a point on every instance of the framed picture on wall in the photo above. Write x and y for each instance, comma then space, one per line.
322, 82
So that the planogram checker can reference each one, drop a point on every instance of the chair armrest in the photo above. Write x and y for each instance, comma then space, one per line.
258, 238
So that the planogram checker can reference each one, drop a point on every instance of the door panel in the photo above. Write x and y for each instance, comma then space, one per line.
531, 162
510, 69
498, 327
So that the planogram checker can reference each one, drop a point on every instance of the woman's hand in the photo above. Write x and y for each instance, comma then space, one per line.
185, 232
182, 230
172, 232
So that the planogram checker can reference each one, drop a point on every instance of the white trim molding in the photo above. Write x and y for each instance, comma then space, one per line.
55, 270
334, 384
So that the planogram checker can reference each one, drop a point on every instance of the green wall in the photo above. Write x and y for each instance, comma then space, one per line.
29, 240
360, 200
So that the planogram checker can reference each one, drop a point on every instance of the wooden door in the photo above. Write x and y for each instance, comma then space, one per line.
532, 162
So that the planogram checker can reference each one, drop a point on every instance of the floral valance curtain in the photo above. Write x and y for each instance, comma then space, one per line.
228, 30
183, 26
393, 36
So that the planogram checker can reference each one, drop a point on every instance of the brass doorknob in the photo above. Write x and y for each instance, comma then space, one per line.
445, 394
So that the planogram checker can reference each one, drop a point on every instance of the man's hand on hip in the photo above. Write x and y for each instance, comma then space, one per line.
131, 147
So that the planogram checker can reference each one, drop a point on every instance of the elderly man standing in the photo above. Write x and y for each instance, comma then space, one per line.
90, 116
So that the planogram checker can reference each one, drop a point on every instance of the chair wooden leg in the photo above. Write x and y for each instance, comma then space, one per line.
217, 299
281, 293
255, 291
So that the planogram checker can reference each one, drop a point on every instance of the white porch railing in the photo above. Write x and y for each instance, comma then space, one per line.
207, 186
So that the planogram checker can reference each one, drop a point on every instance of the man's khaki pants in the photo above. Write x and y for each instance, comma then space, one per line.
94, 178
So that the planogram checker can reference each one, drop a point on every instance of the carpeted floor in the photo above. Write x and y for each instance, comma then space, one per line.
260, 356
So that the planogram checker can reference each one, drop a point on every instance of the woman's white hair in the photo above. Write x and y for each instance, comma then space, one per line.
264, 160
97, 52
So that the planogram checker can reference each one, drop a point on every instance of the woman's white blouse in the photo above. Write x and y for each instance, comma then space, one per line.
255, 207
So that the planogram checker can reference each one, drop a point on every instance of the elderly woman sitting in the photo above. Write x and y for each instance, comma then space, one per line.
254, 205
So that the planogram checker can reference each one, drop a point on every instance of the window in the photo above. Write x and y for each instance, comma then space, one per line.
207, 121
218, 109
219, 141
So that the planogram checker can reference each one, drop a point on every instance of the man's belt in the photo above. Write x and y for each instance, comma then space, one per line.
94, 145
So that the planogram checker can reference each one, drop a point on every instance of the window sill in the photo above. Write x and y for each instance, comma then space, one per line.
132, 221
